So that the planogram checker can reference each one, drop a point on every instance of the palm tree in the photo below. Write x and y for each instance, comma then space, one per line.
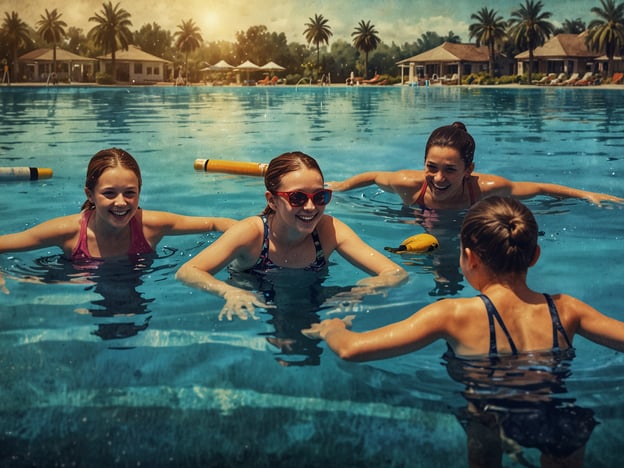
452, 38
52, 30
317, 31
365, 39
607, 33
112, 31
530, 28
489, 30
188, 40
571, 26
15, 32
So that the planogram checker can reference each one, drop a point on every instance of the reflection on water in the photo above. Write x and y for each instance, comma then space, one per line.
296, 297
116, 283
516, 402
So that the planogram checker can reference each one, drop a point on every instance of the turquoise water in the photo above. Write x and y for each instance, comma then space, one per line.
135, 369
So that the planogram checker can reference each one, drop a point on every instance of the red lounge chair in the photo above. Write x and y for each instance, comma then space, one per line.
617, 77
274, 80
586, 80
264, 81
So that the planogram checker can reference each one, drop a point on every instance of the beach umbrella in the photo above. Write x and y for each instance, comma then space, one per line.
272, 66
221, 65
248, 66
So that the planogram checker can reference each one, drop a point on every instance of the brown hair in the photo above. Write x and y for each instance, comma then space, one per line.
453, 136
107, 159
502, 232
282, 165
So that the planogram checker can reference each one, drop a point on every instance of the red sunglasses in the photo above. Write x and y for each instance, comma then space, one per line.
299, 198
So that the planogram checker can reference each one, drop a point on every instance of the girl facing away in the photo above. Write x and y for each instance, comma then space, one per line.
448, 180
292, 235
111, 224
506, 323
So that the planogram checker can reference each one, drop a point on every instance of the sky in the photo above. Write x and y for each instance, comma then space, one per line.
397, 21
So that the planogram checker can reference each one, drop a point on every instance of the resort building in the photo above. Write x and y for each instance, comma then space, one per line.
565, 53
445, 64
37, 65
136, 66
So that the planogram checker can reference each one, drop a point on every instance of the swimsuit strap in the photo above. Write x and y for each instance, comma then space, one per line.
420, 200
138, 242
556, 323
263, 260
493, 314
81, 249
319, 261
264, 263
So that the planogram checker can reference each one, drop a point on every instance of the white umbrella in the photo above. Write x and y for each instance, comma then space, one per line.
272, 66
248, 66
221, 65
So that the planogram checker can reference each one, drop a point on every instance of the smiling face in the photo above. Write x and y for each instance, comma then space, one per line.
445, 172
115, 196
302, 219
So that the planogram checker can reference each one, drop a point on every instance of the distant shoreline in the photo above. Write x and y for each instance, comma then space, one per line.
333, 85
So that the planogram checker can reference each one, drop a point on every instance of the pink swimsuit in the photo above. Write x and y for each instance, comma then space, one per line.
138, 243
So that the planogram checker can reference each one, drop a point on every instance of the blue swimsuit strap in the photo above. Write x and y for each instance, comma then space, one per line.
493, 314
265, 262
556, 322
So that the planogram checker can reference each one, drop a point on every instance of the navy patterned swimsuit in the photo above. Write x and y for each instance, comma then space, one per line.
265, 264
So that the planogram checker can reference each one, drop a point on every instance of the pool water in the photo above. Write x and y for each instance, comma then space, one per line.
127, 367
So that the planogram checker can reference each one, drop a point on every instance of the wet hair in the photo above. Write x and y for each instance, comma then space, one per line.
108, 159
502, 232
453, 136
282, 165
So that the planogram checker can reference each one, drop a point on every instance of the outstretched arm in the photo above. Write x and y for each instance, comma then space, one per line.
381, 178
494, 185
596, 326
419, 330
199, 271
384, 272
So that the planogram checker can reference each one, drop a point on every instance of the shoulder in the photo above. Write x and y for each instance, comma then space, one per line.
491, 184
406, 176
246, 229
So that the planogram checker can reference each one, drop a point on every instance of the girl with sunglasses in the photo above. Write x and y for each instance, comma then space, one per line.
292, 234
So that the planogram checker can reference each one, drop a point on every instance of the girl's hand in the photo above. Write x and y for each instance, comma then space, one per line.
318, 330
242, 304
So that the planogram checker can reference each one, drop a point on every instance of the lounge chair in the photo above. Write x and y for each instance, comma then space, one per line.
545, 79
264, 81
616, 78
274, 80
586, 80
570, 81
452, 80
373, 80
560, 78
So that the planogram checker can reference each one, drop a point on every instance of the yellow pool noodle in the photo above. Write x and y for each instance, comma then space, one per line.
24, 173
231, 167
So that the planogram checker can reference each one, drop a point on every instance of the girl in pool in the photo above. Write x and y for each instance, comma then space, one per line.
448, 180
111, 224
292, 234
498, 245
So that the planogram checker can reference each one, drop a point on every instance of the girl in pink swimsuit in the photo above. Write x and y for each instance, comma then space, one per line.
111, 224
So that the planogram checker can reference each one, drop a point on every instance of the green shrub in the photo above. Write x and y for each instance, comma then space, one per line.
103, 78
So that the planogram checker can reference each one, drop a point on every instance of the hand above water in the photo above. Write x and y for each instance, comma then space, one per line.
241, 303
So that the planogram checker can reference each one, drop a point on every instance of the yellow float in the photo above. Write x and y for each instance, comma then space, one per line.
419, 243
231, 167
24, 173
